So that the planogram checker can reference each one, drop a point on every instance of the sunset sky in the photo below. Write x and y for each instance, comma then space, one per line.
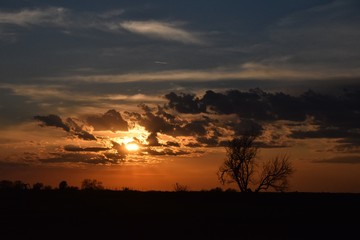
144, 94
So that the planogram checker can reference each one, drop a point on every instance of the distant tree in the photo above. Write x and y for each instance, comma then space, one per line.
6, 185
217, 189
180, 188
38, 186
63, 185
19, 185
91, 184
47, 187
240, 167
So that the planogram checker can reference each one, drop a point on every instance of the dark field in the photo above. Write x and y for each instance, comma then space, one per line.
107, 214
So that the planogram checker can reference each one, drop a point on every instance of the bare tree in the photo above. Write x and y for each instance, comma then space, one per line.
275, 174
180, 188
91, 184
240, 167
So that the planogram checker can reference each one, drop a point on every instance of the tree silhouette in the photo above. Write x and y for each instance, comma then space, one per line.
180, 188
6, 185
240, 167
38, 186
19, 185
63, 185
91, 184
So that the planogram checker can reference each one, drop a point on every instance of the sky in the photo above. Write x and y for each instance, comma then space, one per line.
145, 94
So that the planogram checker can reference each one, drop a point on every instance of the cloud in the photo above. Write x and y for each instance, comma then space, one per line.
69, 126
332, 116
16, 165
28, 17
79, 131
259, 105
161, 30
53, 121
213, 117
208, 141
185, 103
88, 158
166, 152
152, 139
340, 160
72, 148
120, 149
111, 120
244, 72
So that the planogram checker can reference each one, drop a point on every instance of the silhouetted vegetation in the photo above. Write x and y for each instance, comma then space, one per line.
180, 188
38, 186
91, 184
240, 167
211, 214
63, 185
13, 185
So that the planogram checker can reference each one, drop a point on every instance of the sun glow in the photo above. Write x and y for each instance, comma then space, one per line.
132, 147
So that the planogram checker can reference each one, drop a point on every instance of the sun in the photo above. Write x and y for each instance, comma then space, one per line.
132, 147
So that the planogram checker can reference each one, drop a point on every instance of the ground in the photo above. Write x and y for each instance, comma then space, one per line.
103, 214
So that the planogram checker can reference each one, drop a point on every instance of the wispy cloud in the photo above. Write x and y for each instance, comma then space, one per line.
162, 30
249, 70
26, 17
341, 159
106, 21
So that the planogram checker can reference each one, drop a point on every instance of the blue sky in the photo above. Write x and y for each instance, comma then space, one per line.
77, 67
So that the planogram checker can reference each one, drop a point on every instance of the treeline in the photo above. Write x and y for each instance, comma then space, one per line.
86, 184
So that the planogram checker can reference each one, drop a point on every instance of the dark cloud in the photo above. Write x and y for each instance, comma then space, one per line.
341, 159
208, 141
166, 152
196, 127
337, 116
72, 148
172, 144
272, 144
156, 122
193, 145
324, 132
246, 126
69, 126
53, 121
7, 164
120, 148
79, 131
153, 140
264, 106
111, 120
88, 158
185, 103
250, 104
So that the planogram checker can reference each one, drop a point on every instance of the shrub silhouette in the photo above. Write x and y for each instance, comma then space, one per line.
91, 184
180, 188
63, 185
38, 186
